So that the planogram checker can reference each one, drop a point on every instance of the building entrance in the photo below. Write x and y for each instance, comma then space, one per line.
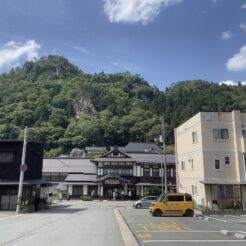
110, 191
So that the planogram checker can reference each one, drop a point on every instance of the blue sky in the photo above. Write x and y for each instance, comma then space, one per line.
164, 41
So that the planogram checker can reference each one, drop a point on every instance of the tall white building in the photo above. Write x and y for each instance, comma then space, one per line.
210, 158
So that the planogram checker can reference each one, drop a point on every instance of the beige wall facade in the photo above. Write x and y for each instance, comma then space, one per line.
210, 150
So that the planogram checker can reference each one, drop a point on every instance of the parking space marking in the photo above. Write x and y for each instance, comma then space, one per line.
191, 241
163, 226
233, 216
144, 235
217, 219
182, 231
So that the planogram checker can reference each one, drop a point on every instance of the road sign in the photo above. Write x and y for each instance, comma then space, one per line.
23, 168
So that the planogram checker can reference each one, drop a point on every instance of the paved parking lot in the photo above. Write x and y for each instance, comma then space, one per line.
184, 231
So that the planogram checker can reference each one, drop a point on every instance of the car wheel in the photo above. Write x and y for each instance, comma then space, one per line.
189, 213
157, 213
138, 206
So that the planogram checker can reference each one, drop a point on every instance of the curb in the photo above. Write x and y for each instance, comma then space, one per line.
127, 236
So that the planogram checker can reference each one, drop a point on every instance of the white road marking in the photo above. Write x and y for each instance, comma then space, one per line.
180, 231
233, 216
191, 241
217, 219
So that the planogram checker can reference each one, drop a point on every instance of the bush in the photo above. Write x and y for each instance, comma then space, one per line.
29, 208
237, 205
41, 206
86, 198
155, 191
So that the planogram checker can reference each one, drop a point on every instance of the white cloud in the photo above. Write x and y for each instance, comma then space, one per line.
243, 27
81, 49
12, 52
229, 83
237, 63
133, 11
215, 2
226, 35
243, 6
123, 65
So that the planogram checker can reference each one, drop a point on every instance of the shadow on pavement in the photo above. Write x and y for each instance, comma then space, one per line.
61, 209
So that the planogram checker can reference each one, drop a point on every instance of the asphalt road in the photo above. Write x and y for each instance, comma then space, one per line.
183, 231
67, 223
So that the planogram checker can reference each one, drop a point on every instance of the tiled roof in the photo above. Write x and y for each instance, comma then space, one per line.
81, 178
68, 165
142, 148
152, 158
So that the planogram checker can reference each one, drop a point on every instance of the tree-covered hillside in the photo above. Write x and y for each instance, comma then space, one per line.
67, 108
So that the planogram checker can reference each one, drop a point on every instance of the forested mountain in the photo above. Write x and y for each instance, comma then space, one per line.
68, 108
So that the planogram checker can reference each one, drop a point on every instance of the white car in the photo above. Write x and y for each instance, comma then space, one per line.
50, 198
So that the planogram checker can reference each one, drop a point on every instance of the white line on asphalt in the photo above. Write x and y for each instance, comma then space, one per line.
191, 241
10, 217
217, 219
233, 216
179, 231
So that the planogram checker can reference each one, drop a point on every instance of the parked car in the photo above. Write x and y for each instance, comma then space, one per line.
145, 202
50, 198
173, 204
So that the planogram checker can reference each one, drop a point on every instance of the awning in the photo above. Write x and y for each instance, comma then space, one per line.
150, 184
223, 182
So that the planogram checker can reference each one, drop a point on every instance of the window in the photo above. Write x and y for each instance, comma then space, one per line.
182, 166
217, 164
6, 156
129, 164
193, 189
194, 137
171, 172
146, 171
155, 171
192, 164
188, 197
227, 161
244, 132
220, 134
175, 198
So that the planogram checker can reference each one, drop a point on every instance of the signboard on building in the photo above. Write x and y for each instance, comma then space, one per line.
112, 181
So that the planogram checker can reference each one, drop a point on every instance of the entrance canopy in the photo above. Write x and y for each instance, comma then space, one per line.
112, 179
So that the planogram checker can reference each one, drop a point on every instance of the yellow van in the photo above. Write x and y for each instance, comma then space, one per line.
173, 204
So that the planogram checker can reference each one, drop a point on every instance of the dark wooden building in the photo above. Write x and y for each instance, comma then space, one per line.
10, 161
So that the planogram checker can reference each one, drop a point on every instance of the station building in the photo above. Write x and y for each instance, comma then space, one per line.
133, 168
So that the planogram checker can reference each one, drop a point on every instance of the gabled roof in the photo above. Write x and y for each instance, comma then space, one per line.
115, 150
146, 148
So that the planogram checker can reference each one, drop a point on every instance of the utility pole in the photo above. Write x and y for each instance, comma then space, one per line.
23, 168
164, 154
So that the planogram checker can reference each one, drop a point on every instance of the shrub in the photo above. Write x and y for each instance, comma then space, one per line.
29, 208
155, 191
86, 198
237, 205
